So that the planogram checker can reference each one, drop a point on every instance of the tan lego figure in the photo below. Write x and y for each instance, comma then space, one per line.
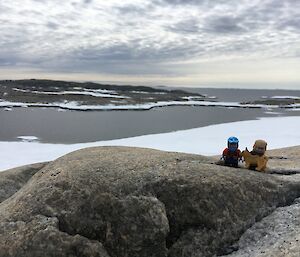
256, 159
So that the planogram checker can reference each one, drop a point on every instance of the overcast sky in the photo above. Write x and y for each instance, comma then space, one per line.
250, 43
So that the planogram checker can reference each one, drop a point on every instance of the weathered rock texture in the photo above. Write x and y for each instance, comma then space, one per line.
132, 202
277, 235
12, 180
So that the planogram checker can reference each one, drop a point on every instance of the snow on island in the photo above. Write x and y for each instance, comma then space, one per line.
91, 92
73, 105
281, 97
210, 140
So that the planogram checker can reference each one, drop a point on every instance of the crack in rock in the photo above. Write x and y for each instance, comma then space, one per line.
275, 235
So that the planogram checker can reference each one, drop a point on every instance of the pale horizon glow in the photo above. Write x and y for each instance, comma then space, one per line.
194, 43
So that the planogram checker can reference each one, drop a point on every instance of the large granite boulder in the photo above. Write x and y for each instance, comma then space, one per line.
133, 202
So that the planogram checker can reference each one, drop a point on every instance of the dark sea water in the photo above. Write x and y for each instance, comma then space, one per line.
53, 126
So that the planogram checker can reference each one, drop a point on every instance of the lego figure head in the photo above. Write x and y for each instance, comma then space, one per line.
232, 144
260, 147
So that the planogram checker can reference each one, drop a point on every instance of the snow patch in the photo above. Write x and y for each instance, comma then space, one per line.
91, 92
104, 91
273, 113
192, 97
28, 138
281, 97
145, 92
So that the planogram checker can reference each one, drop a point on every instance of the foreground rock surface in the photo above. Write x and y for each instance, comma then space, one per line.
127, 202
277, 235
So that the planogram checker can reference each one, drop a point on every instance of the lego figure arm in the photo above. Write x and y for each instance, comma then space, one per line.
225, 153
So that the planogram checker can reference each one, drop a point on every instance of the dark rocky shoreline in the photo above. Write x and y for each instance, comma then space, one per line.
119, 201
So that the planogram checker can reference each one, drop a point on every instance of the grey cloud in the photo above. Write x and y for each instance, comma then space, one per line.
8, 61
189, 26
182, 2
134, 51
123, 58
273, 12
294, 24
224, 24
52, 25
208, 3
123, 68
129, 9
123, 43
264, 13
104, 63
30, 13
119, 52
134, 10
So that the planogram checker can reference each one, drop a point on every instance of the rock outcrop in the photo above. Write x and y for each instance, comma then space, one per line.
132, 202
12, 180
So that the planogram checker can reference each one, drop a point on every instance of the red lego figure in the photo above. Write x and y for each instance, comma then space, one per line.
232, 155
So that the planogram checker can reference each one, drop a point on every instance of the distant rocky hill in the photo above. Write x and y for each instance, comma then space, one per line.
65, 85
49, 92
133, 202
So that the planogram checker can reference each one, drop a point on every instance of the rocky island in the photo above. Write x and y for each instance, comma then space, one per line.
135, 202
87, 95
280, 101
90, 96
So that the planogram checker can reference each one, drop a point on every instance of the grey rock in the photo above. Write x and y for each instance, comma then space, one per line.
277, 235
133, 202
41, 237
12, 180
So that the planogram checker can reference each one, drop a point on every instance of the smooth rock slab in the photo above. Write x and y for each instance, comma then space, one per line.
133, 202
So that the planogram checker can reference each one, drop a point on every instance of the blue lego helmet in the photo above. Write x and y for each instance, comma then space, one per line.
232, 143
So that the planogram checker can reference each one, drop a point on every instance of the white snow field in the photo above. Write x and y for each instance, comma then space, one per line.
210, 140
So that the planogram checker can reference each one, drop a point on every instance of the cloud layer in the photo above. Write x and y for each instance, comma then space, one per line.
144, 37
